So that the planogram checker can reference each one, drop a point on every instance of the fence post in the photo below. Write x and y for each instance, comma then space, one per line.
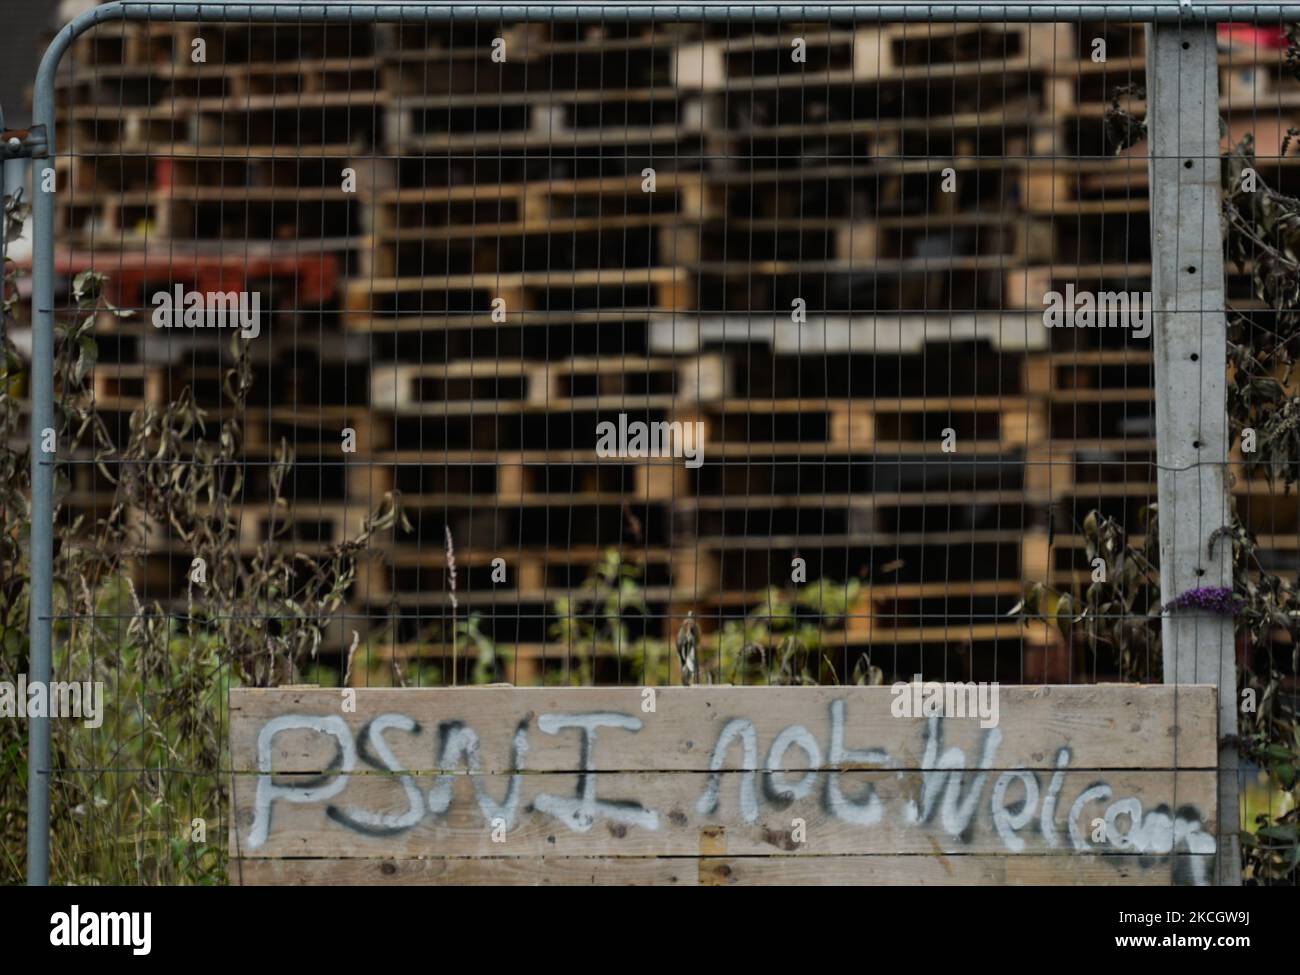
41, 559
1190, 334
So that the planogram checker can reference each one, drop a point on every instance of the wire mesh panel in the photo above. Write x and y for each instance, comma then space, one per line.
818, 253
625, 351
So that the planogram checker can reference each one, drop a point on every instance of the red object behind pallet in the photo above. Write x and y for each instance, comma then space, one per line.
1248, 35
315, 276
164, 171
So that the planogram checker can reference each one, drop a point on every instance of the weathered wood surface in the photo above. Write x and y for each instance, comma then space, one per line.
665, 813
1105, 726
883, 870
1100, 784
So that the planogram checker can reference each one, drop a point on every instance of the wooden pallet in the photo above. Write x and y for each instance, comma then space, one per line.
1028, 288
165, 46
232, 215
532, 574
186, 79
747, 213
513, 477
1066, 563
661, 288
885, 244
826, 334
708, 566
867, 54
537, 203
909, 286
1059, 187
116, 44
127, 386
320, 431
586, 383
430, 231
929, 512
311, 528
847, 424
440, 43
574, 119
284, 119
1059, 466
1268, 512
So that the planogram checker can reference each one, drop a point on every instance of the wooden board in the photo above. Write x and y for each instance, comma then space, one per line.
781, 870
724, 785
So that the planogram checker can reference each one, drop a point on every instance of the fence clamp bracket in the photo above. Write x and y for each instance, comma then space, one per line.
25, 143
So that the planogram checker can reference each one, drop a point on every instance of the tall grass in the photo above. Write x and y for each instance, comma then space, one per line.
141, 798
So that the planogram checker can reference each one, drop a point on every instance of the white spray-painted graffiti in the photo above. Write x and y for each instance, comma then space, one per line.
950, 796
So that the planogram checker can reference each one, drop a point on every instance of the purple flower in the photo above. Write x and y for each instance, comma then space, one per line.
1209, 599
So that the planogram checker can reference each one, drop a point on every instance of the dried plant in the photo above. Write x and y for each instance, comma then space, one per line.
1121, 613
126, 799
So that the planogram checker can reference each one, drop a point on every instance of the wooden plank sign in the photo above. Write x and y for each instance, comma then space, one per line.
1100, 784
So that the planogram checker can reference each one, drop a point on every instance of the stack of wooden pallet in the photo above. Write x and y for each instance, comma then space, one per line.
829, 247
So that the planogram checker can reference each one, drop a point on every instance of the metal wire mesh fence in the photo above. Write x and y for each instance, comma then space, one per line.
575, 348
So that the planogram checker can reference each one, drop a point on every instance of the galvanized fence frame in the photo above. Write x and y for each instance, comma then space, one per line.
1190, 351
